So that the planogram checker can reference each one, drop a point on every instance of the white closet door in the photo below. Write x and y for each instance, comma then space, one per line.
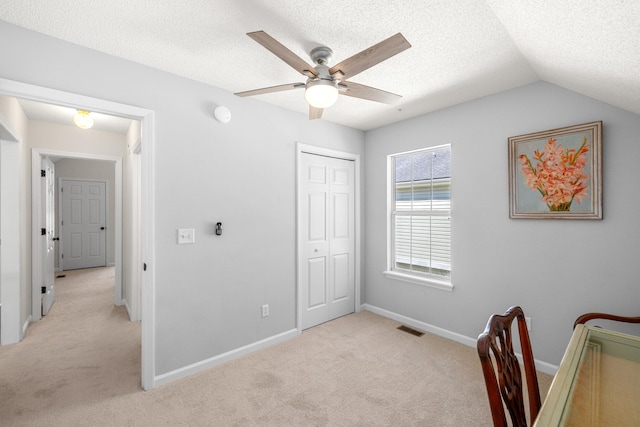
326, 239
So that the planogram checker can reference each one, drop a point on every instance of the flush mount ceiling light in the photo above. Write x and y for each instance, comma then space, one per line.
83, 119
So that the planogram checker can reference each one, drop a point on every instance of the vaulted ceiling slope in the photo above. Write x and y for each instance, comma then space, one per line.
461, 49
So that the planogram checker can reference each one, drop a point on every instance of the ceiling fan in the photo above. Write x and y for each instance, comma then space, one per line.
324, 84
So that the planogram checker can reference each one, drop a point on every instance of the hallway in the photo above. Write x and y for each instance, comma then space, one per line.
85, 350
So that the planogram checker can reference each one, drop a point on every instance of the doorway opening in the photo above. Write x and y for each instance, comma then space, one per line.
38, 251
146, 118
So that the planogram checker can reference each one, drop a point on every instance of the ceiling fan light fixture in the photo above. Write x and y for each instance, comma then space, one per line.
321, 93
83, 119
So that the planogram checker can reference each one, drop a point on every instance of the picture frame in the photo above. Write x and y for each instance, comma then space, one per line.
556, 174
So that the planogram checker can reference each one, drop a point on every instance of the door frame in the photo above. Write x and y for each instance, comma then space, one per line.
60, 216
36, 211
133, 304
327, 152
147, 130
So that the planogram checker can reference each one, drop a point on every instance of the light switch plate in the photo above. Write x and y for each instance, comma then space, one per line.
186, 235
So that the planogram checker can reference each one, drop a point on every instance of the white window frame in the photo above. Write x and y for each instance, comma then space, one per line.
391, 272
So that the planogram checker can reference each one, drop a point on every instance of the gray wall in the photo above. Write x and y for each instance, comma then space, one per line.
556, 270
14, 264
242, 174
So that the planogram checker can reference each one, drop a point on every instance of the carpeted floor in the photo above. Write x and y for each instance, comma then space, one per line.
80, 366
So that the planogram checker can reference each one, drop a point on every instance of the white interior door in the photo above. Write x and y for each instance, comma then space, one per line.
326, 239
48, 233
83, 223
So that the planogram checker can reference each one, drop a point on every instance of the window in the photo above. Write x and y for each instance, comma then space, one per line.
420, 216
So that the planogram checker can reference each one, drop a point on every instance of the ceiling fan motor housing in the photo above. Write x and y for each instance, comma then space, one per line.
323, 73
321, 55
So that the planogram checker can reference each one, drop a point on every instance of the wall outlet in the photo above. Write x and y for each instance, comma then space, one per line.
528, 319
265, 310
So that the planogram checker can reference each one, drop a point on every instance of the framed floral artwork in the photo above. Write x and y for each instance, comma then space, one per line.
556, 174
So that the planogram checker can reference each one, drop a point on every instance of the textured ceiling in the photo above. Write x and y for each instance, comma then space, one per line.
461, 49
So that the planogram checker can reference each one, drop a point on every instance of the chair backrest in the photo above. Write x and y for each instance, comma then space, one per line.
605, 316
504, 379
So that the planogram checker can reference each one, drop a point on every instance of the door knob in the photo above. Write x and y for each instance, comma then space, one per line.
101, 228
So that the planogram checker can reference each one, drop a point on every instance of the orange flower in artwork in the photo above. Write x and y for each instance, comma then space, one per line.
557, 174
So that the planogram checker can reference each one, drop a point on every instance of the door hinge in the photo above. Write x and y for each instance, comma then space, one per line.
43, 231
43, 289
43, 173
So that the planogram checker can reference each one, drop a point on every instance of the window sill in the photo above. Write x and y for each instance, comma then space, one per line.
424, 281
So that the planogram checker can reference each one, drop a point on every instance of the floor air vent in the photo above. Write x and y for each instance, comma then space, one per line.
410, 330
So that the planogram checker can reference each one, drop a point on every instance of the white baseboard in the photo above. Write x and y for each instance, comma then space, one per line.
223, 358
462, 339
25, 326
126, 306
545, 367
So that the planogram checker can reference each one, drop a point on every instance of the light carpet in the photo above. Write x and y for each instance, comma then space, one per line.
80, 366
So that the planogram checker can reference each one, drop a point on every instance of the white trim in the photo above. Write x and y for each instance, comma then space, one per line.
417, 150
126, 306
225, 357
391, 272
415, 279
541, 366
36, 250
137, 147
135, 275
26, 325
148, 226
7, 132
322, 151
147, 119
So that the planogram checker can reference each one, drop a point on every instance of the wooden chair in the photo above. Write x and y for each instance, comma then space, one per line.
504, 380
591, 316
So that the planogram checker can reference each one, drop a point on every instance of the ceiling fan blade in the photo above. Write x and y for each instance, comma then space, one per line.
282, 52
357, 90
371, 56
271, 89
315, 113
